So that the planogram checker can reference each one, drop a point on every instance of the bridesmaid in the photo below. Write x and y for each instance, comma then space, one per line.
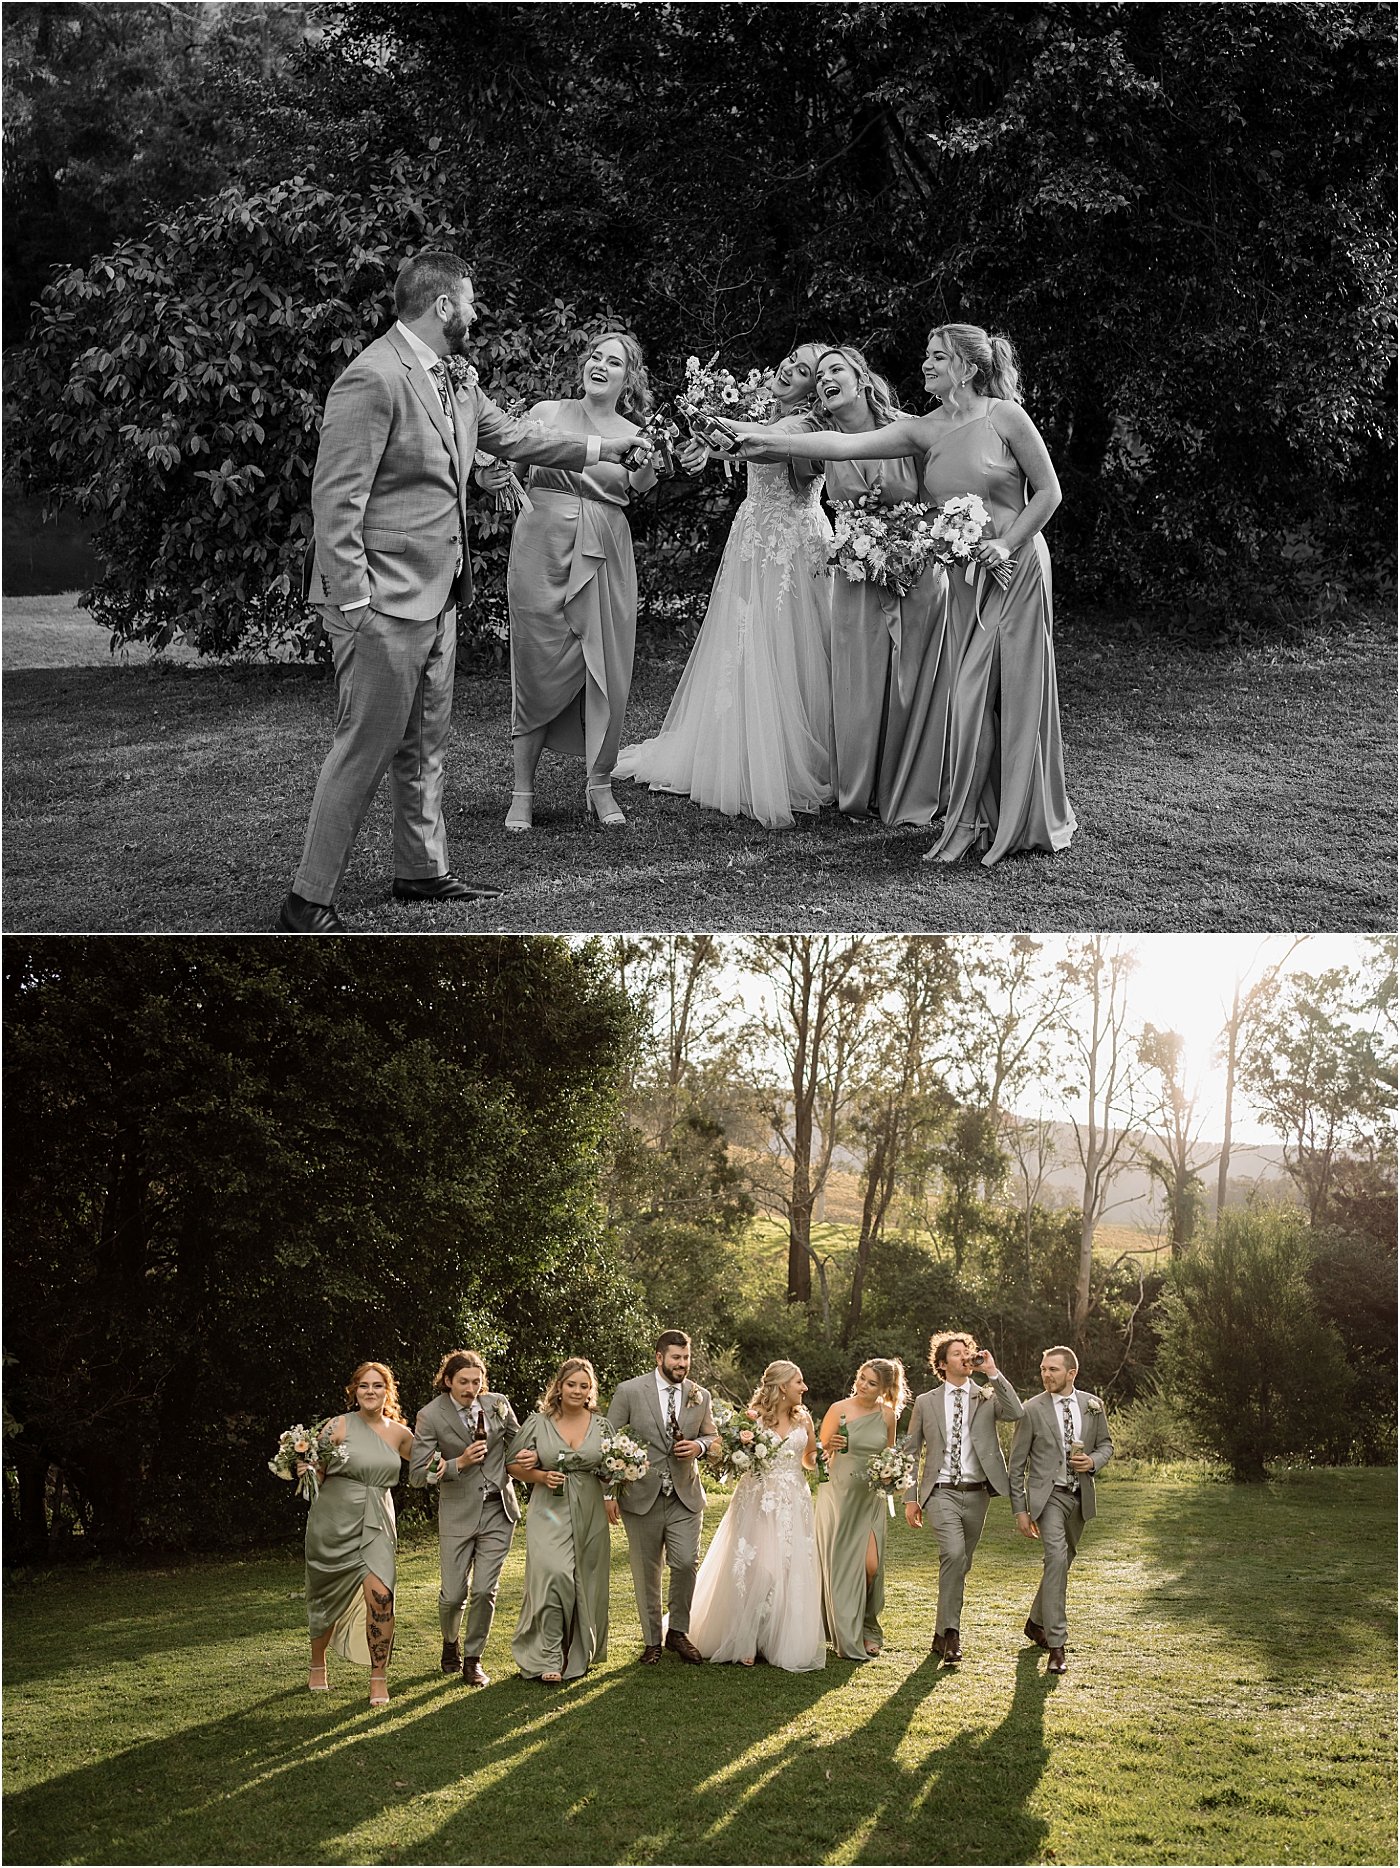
889, 672
1006, 766
351, 1535
851, 1515
563, 1626
572, 587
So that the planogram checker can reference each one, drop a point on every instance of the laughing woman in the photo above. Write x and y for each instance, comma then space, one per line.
748, 731
1005, 783
572, 587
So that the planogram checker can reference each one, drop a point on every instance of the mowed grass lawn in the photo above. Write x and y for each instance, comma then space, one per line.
1243, 790
1231, 1699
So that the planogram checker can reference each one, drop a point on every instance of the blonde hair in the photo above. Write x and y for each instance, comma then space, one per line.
392, 1410
889, 1372
764, 1401
992, 360
552, 1400
634, 398
879, 397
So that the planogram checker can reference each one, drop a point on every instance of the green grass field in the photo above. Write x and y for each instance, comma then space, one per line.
1231, 1699
1248, 789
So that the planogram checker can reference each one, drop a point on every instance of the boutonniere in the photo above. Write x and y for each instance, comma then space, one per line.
501, 1410
692, 1395
461, 374
1093, 1407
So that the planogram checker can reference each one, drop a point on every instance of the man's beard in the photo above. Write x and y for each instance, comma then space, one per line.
455, 331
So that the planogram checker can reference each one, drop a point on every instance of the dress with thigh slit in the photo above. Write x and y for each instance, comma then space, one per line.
849, 1511
351, 1534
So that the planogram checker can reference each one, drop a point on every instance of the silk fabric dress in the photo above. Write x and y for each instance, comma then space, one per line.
848, 1511
748, 731
572, 588
891, 673
759, 1590
563, 1625
351, 1534
1023, 805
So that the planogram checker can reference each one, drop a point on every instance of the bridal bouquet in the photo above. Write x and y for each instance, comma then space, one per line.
875, 544
313, 1445
957, 529
718, 394
889, 1472
745, 1444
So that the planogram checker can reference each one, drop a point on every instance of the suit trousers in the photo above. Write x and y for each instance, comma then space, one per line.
476, 1561
1061, 1526
671, 1527
957, 1519
393, 684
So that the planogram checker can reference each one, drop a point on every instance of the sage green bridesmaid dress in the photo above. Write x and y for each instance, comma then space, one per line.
847, 1512
351, 1534
563, 1625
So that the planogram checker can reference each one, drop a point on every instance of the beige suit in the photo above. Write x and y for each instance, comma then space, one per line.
477, 1511
658, 1519
956, 1515
389, 502
1039, 1488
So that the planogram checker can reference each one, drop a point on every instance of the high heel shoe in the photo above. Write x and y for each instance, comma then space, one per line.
311, 1683
379, 1697
521, 816
608, 812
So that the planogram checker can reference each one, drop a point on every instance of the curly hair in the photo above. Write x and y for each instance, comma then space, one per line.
879, 397
992, 360
764, 1400
938, 1347
392, 1410
452, 1365
552, 1400
889, 1372
635, 400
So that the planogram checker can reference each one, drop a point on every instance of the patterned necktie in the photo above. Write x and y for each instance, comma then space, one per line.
1070, 1474
673, 1428
955, 1444
438, 372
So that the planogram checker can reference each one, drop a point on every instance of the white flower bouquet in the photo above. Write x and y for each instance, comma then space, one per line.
746, 1445
624, 1459
875, 544
957, 528
313, 1446
889, 1471
717, 394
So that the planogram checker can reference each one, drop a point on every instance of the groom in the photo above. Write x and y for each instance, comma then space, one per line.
389, 565
670, 1415
1061, 1442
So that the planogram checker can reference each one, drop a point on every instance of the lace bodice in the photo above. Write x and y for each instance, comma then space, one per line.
777, 523
776, 1499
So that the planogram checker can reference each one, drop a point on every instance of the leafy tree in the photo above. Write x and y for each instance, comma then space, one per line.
1176, 1127
236, 1169
1245, 1350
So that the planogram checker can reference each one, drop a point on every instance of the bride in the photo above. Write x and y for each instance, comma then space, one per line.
759, 1588
748, 731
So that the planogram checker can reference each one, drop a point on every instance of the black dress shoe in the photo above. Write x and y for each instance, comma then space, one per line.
952, 1647
451, 1657
472, 1671
1034, 1632
683, 1645
299, 916
448, 888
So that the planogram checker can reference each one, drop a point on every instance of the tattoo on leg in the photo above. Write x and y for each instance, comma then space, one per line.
380, 1629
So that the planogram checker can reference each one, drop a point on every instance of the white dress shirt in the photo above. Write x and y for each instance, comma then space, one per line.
1057, 1404
970, 1472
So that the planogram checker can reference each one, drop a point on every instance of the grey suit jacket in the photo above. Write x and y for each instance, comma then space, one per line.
1037, 1453
637, 1407
389, 493
438, 1429
927, 1433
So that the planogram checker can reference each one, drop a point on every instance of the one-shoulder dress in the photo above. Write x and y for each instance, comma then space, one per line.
848, 1512
351, 1534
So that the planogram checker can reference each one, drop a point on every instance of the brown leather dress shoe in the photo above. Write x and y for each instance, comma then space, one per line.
952, 1647
683, 1645
299, 916
472, 1673
1057, 1662
936, 1648
651, 1657
448, 888
451, 1657
1034, 1632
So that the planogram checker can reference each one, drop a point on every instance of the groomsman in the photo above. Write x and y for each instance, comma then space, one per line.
954, 1427
459, 1445
1061, 1442
670, 1415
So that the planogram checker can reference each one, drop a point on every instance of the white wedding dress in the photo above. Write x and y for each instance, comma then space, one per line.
759, 1590
748, 731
